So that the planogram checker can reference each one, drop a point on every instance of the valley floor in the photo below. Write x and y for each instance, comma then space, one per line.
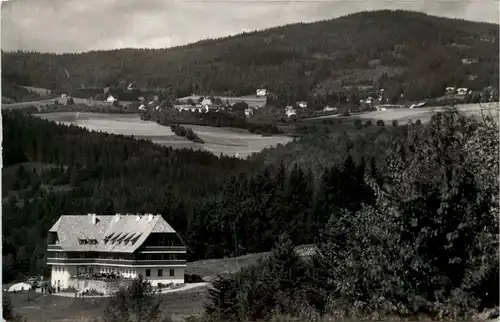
227, 141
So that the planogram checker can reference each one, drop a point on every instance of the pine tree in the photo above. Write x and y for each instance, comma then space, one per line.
224, 298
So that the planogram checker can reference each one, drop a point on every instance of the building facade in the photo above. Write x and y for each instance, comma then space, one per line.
121, 247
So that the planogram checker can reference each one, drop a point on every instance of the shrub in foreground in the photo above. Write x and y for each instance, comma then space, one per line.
136, 302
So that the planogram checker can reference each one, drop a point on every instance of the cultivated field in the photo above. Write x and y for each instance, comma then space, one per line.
38, 90
38, 103
228, 141
424, 114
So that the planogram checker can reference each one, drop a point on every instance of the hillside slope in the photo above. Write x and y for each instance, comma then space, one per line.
405, 52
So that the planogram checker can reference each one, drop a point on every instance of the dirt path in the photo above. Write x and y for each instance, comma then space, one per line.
165, 291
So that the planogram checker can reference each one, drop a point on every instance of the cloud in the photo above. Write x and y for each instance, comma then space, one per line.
82, 25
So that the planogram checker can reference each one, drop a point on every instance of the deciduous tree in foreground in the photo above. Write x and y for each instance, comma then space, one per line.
427, 244
137, 302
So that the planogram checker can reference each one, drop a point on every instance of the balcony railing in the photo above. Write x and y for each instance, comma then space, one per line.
163, 248
53, 247
103, 261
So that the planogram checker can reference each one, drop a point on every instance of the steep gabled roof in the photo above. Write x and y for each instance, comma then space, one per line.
125, 234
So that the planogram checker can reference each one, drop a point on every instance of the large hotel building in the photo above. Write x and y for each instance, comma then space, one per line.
91, 246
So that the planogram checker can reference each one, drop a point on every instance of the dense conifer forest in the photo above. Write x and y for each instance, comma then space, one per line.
405, 52
51, 169
418, 221
404, 218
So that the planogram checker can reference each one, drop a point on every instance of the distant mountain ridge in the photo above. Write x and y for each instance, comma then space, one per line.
405, 52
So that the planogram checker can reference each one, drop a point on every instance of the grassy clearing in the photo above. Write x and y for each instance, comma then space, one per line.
212, 267
45, 308
228, 141
424, 114
43, 102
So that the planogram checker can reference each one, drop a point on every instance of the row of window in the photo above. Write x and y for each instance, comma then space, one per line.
125, 271
151, 257
160, 257
87, 241
160, 272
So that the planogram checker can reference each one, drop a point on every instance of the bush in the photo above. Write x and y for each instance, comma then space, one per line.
380, 123
192, 278
190, 134
180, 130
368, 123
7, 311
357, 124
70, 290
418, 122
395, 123
136, 302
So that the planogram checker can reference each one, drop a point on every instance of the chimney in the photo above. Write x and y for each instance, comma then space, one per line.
94, 219
150, 217
117, 217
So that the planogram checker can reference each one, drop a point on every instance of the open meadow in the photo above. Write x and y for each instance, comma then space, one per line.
38, 307
43, 102
423, 114
228, 141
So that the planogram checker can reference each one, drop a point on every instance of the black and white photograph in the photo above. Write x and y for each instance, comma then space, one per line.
250, 160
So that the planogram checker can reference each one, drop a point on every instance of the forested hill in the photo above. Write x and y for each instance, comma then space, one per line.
405, 52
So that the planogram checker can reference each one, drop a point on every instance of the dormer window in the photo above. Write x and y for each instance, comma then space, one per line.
108, 237
87, 241
135, 239
128, 238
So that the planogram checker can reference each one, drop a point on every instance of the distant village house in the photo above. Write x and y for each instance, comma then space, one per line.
469, 61
290, 111
261, 92
302, 104
111, 99
462, 91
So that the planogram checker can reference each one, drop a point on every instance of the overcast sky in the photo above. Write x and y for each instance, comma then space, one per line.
82, 25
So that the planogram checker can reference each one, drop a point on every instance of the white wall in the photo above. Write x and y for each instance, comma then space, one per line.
60, 275
178, 277
63, 274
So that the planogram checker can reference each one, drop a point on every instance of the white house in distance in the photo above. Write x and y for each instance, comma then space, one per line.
302, 104
329, 108
101, 247
462, 91
450, 90
110, 99
248, 112
289, 111
261, 92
